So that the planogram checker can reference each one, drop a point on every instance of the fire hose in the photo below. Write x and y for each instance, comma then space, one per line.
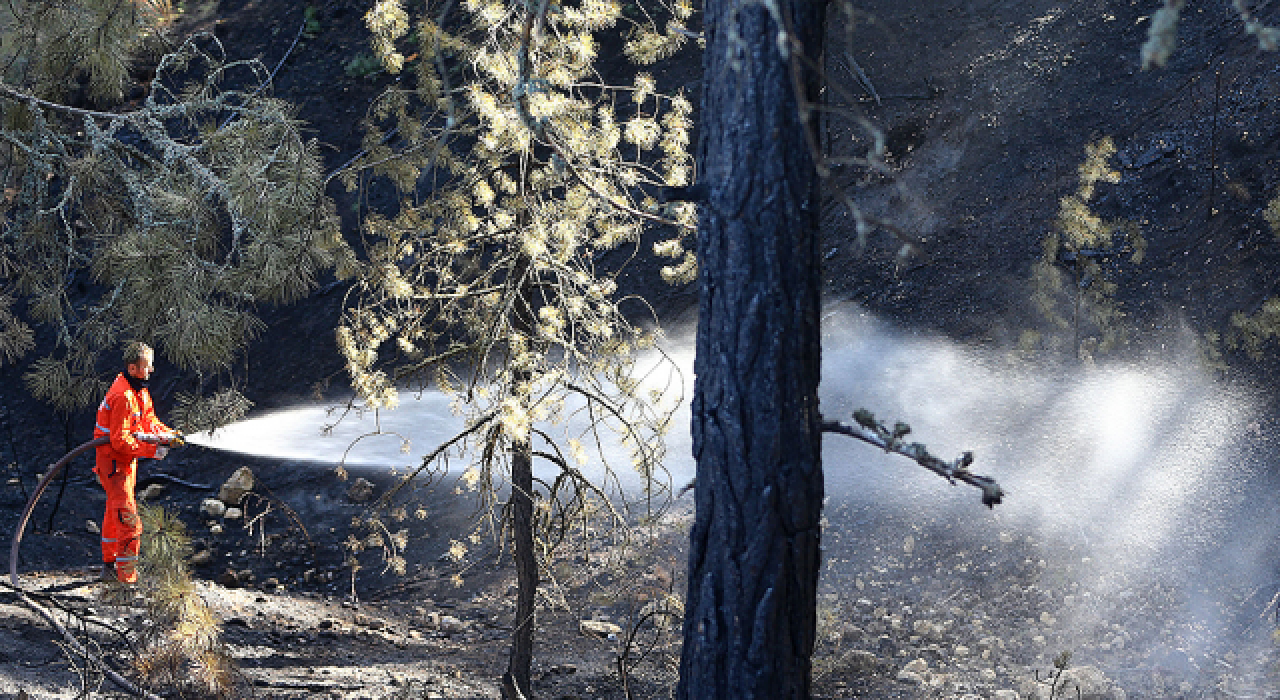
69, 638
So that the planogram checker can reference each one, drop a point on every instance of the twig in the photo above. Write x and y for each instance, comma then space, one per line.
426, 461
532, 24
871, 431
862, 76
271, 78
75, 645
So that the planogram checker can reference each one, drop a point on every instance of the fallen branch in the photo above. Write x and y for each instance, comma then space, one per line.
872, 431
79, 649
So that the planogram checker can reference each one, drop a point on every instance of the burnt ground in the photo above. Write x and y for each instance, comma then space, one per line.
987, 108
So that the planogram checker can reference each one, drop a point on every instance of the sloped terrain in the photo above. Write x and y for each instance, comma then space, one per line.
987, 109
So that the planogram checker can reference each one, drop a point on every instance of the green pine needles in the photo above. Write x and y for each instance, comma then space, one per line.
517, 175
521, 169
1071, 283
169, 221
180, 641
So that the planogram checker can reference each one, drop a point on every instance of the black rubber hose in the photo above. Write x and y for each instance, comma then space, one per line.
49, 475
162, 478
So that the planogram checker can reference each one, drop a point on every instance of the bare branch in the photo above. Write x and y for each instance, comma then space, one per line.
873, 432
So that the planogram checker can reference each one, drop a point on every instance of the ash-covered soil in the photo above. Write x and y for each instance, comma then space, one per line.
987, 108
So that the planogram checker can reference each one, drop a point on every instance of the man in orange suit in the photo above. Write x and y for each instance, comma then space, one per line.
125, 413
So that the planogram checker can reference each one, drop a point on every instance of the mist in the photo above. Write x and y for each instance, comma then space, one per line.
1122, 479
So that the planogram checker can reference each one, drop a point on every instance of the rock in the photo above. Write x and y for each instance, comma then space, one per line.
361, 490
918, 666
272, 583
229, 579
233, 514
212, 508
152, 491
246, 576
329, 627
234, 489
1005, 695
452, 625
215, 529
1090, 683
92, 526
201, 558
861, 662
599, 629
909, 677
960, 651
432, 620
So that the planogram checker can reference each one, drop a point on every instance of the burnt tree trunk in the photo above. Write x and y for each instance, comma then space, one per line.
754, 559
516, 682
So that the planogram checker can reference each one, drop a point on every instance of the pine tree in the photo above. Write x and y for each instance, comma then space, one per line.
517, 175
168, 220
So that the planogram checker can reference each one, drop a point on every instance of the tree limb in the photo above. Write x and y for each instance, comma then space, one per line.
873, 432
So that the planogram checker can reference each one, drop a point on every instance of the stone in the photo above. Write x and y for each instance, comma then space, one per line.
151, 492
229, 579
1081, 682
908, 677
233, 514
212, 508
92, 526
361, 490
201, 557
1005, 695
862, 662
599, 629
234, 488
216, 528
917, 666
452, 625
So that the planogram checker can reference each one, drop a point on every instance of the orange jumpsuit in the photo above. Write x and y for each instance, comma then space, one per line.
123, 412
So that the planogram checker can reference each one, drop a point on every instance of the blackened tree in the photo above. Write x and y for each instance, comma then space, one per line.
750, 614
754, 561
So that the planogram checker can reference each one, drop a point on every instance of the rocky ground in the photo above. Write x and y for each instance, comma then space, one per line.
987, 108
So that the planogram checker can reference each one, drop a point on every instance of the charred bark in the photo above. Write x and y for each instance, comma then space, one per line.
754, 558
516, 682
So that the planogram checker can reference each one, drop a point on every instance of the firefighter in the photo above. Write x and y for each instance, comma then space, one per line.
125, 412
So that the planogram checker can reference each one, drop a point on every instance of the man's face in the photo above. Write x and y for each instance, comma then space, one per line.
142, 368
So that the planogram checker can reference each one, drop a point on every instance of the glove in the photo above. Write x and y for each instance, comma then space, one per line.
177, 440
